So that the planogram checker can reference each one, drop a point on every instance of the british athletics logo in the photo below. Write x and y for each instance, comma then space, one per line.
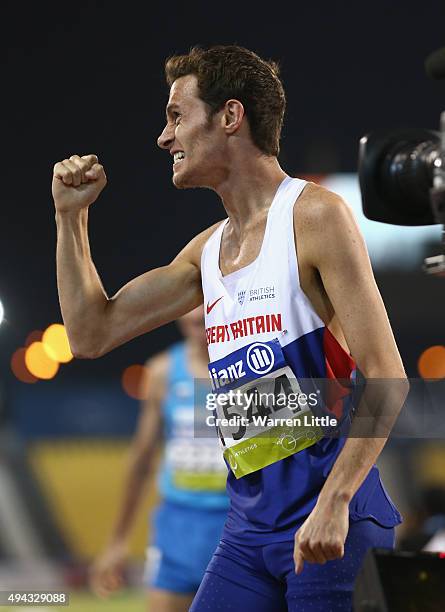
244, 328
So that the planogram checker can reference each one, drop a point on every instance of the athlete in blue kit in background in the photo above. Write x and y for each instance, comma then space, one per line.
303, 514
188, 523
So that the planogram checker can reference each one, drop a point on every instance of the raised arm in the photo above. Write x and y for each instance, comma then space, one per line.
95, 322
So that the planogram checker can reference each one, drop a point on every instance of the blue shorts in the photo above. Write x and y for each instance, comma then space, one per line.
184, 540
263, 579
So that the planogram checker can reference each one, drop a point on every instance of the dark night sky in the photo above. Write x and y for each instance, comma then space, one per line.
88, 77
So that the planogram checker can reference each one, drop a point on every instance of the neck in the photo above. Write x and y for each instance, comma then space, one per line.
249, 187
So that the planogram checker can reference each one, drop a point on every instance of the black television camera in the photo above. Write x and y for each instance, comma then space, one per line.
402, 174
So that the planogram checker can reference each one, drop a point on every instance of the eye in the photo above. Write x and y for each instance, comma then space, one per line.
177, 118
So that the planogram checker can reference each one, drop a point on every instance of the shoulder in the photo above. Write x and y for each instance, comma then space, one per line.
319, 209
157, 367
193, 250
325, 228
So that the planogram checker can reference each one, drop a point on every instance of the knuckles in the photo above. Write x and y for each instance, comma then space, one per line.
86, 162
75, 171
332, 549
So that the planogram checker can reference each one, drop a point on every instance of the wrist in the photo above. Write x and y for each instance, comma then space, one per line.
80, 214
334, 500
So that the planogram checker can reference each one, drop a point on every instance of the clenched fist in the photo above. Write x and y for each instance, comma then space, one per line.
77, 182
322, 536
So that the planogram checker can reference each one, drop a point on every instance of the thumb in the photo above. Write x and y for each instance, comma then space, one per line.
298, 559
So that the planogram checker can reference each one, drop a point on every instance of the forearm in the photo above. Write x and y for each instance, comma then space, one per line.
350, 469
136, 484
373, 420
81, 294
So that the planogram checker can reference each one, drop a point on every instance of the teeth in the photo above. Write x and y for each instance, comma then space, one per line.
178, 156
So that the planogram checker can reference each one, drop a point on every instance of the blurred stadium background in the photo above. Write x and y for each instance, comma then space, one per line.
89, 79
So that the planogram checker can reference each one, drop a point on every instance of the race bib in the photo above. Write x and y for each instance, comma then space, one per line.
195, 463
259, 409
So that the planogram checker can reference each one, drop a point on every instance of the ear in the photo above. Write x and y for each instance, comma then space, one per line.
232, 116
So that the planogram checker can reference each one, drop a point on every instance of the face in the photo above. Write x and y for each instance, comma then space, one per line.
192, 326
195, 143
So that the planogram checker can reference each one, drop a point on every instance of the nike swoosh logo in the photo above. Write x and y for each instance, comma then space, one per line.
210, 307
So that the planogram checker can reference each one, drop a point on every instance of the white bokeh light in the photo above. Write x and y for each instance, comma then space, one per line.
2, 312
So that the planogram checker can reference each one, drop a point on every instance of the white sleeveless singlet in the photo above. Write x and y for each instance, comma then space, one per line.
263, 332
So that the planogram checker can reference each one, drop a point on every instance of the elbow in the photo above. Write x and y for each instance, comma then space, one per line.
85, 352
90, 337
82, 349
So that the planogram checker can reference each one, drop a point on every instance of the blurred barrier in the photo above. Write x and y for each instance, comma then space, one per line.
82, 480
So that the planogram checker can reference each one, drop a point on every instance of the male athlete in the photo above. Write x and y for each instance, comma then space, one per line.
188, 523
288, 288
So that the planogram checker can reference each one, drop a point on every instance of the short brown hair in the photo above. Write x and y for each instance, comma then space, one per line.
229, 71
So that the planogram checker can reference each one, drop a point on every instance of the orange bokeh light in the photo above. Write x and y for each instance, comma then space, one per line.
39, 363
135, 381
55, 343
34, 336
19, 369
431, 362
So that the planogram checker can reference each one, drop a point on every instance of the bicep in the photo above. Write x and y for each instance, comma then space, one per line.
155, 298
151, 300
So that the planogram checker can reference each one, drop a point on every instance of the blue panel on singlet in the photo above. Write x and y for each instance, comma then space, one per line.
178, 416
242, 366
267, 504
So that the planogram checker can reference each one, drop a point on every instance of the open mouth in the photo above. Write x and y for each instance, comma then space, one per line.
178, 157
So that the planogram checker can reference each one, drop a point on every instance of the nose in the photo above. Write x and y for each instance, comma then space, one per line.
167, 137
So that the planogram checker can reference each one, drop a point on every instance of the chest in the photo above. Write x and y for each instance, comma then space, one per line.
237, 252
